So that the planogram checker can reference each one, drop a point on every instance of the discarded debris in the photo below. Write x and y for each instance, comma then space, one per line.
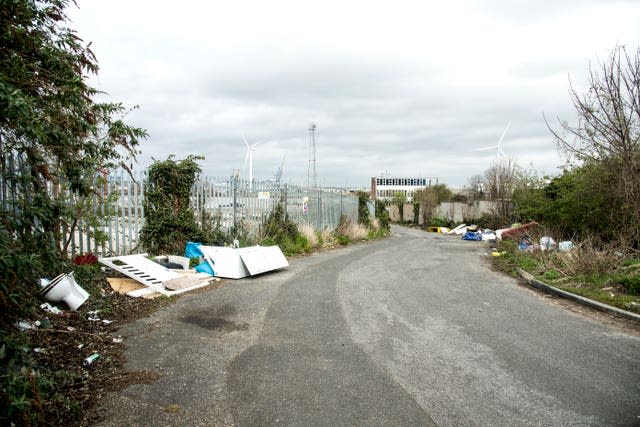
459, 230
26, 326
87, 259
51, 309
89, 360
548, 244
515, 231
64, 288
151, 274
565, 246
238, 263
488, 235
472, 235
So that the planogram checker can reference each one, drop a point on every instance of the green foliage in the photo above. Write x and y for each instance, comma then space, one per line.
399, 199
49, 119
58, 138
363, 208
212, 228
439, 222
169, 220
382, 214
551, 275
343, 239
430, 198
578, 203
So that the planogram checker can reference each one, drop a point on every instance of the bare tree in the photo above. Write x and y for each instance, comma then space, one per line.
608, 129
499, 182
430, 198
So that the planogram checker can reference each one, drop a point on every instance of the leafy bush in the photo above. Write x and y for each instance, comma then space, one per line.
169, 220
439, 222
363, 208
551, 275
279, 229
382, 215
630, 283
343, 240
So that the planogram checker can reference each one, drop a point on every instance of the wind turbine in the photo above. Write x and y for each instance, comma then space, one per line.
249, 156
279, 172
498, 147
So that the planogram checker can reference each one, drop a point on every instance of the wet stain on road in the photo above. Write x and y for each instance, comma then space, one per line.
216, 320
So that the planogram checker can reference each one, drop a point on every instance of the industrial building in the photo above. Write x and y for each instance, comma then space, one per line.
385, 187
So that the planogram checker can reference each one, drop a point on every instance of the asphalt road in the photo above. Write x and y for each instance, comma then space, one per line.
410, 330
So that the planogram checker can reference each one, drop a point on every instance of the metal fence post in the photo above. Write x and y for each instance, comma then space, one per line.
234, 180
284, 200
319, 211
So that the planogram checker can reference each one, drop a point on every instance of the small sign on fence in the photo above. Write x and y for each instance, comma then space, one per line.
305, 206
264, 195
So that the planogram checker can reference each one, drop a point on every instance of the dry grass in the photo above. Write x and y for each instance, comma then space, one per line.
353, 232
588, 259
328, 238
356, 232
309, 232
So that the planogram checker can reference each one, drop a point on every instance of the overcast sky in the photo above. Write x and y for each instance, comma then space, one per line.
408, 88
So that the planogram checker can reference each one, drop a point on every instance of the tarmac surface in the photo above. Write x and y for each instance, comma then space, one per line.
410, 330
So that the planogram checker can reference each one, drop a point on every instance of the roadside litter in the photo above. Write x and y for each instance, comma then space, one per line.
443, 230
472, 235
459, 230
89, 360
516, 230
548, 244
64, 288
170, 275
236, 263
155, 277
566, 246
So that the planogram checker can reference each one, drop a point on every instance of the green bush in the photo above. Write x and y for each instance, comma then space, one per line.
551, 275
343, 240
169, 220
382, 214
630, 283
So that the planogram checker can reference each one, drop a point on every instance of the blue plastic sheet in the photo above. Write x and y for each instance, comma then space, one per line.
472, 235
192, 250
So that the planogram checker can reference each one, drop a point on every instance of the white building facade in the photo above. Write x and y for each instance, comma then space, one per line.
385, 187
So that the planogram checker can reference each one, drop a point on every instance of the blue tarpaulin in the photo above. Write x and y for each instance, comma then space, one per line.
472, 235
193, 251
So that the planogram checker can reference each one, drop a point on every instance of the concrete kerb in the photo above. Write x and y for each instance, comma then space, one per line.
582, 300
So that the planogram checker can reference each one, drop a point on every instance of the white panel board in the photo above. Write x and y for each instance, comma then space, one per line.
254, 259
238, 263
226, 262
260, 259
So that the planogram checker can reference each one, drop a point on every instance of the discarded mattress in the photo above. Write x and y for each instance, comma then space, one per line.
154, 276
235, 263
515, 232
